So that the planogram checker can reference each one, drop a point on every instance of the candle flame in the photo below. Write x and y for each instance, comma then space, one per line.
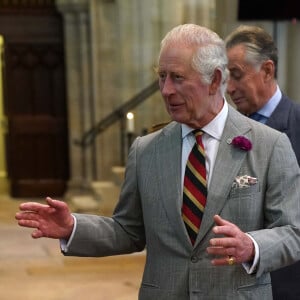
130, 116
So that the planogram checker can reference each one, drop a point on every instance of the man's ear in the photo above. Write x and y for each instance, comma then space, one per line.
269, 69
216, 82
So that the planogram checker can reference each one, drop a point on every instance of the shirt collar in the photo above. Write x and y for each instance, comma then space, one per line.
270, 106
214, 128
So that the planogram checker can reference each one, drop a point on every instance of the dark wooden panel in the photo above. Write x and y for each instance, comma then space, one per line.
27, 6
35, 105
38, 188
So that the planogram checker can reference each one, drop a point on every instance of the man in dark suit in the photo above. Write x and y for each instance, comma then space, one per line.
253, 88
238, 168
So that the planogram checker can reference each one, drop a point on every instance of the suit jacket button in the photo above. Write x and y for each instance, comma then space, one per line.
194, 259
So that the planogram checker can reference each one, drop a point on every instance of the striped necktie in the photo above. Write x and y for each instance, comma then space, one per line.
194, 188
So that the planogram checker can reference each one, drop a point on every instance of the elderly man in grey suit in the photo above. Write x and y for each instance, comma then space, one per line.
253, 87
245, 221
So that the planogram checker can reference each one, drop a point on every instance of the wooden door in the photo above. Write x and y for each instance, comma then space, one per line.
35, 104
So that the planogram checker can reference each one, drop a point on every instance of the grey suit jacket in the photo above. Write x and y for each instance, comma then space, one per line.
286, 118
149, 214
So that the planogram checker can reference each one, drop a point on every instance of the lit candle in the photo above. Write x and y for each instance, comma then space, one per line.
130, 122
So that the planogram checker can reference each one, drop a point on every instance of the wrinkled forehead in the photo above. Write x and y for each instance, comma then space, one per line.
175, 55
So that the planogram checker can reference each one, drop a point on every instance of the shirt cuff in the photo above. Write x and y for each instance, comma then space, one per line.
251, 267
64, 244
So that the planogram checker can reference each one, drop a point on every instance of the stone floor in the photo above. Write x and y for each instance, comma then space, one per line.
34, 269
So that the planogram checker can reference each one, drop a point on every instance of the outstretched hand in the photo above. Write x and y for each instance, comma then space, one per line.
53, 220
232, 244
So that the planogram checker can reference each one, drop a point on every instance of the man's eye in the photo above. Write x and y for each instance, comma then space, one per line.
235, 76
177, 77
173, 77
162, 76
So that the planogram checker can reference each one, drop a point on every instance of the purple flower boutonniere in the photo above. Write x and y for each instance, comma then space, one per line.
242, 142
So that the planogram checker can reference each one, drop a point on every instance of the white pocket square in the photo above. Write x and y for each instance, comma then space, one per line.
244, 181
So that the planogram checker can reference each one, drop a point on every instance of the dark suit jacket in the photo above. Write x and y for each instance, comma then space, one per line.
286, 118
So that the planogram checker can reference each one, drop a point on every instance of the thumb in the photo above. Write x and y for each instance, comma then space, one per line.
55, 203
220, 221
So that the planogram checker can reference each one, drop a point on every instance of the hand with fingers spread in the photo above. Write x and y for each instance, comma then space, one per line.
52, 220
231, 244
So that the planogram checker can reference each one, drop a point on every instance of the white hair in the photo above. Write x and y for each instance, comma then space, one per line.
210, 53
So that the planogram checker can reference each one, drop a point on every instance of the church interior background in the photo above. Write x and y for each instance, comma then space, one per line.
110, 50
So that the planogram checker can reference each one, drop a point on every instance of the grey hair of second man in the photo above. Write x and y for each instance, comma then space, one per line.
259, 44
210, 52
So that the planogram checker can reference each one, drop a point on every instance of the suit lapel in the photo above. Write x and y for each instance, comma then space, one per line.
169, 148
227, 165
279, 117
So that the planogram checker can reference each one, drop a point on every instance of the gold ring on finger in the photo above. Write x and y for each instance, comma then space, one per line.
230, 260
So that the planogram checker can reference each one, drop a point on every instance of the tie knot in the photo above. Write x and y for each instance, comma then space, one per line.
198, 135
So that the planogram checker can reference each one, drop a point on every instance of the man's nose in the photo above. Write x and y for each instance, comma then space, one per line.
167, 87
230, 87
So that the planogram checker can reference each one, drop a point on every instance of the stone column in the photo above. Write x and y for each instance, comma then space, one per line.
293, 46
79, 91
201, 12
